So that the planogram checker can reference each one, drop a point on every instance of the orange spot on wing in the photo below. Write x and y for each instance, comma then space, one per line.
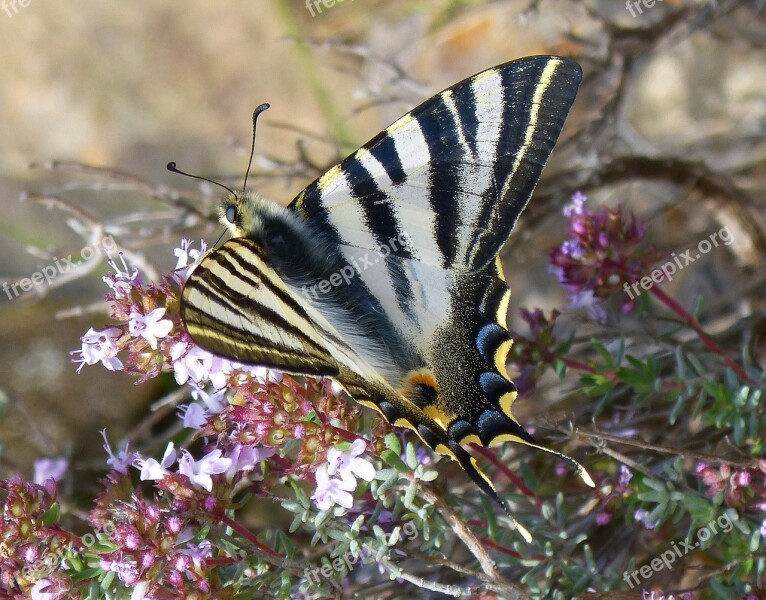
422, 377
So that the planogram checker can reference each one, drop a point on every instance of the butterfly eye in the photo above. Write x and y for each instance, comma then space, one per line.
231, 214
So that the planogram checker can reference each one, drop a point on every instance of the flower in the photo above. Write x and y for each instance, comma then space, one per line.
47, 589
150, 326
602, 255
194, 415
641, 516
121, 281
199, 471
603, 517
332, 491
190, 362
625, 475
244, 458
153, 470
348, 464
50, 468
100, 346
122, 460
185, 254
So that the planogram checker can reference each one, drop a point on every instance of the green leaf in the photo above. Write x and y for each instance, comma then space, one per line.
392, 442
393, 459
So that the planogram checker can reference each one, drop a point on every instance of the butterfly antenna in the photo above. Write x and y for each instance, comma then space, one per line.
174, 169
256, 112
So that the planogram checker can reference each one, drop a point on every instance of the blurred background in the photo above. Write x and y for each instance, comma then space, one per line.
679, 88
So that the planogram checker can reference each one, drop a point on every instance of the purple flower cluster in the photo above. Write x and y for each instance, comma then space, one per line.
602, 253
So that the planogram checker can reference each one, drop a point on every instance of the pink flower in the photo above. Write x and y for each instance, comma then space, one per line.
122, 460
603, 517
244, 458
50, 468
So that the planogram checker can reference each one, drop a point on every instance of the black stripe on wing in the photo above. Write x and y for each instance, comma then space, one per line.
382, 222
539, 93
240, 325
441, 132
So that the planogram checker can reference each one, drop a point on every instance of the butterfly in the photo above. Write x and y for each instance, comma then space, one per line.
384, 272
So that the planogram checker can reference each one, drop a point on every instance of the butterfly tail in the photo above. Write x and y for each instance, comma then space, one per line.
469, 465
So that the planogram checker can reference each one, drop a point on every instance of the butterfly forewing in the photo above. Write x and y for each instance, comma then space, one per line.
416, 218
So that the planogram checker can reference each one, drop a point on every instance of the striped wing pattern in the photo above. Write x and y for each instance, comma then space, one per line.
424, 208
238, 307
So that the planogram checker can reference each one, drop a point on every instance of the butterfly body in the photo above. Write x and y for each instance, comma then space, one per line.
384, 272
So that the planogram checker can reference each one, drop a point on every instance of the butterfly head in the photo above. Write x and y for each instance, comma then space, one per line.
240, 214
278, 230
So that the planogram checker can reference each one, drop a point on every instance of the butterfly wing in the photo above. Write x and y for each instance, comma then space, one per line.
235, 305
432, 199
456, 171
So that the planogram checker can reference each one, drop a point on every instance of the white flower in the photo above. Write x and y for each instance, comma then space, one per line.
190, 362
194, 415
37, 592
199, 471
348, 464
332, 491
100, 346
150, 326
139, 591
122, 281
215, 402
184, 255
153, 470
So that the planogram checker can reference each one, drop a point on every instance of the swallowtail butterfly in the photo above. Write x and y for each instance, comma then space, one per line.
384, 272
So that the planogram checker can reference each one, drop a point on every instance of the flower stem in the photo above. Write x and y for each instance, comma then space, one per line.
245, 533
707, 341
